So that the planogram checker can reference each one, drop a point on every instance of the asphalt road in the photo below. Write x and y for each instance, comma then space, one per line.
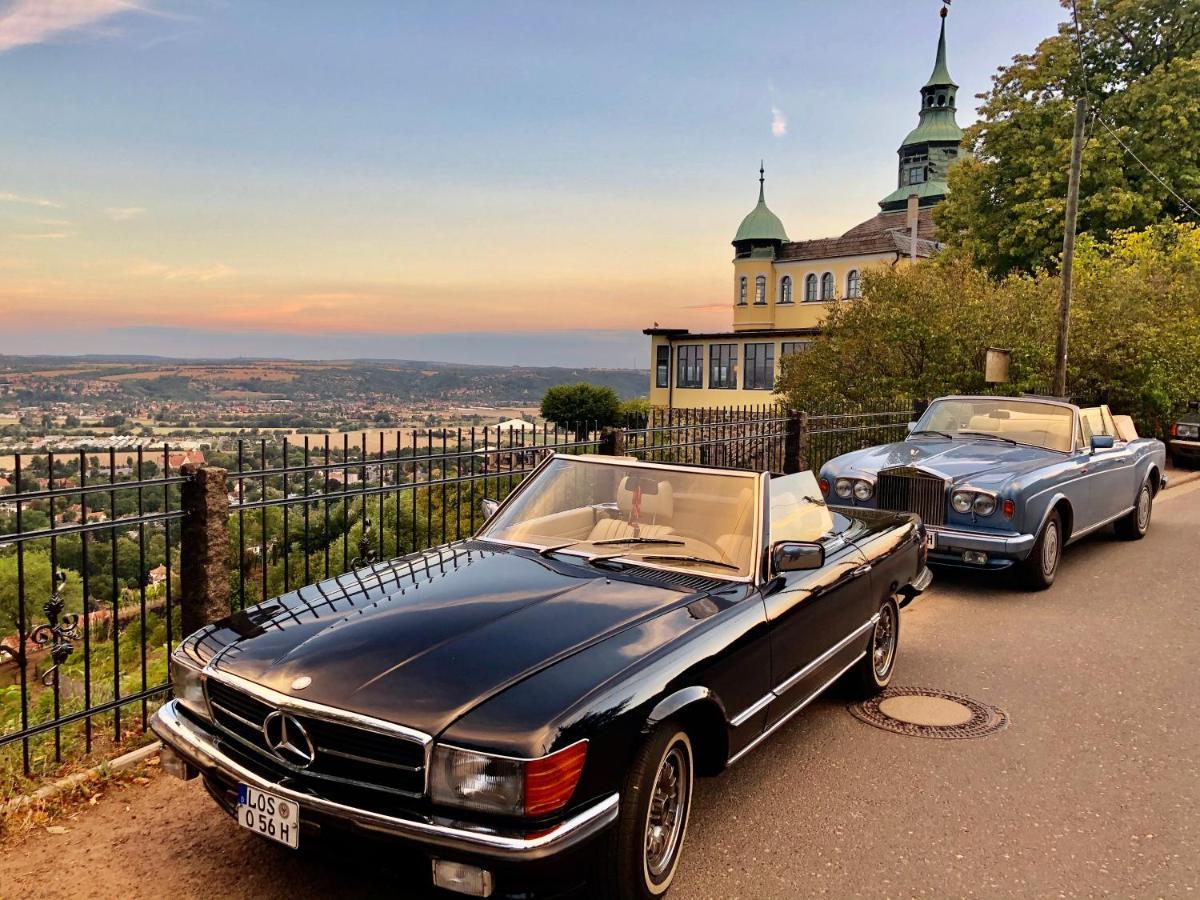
1092, 790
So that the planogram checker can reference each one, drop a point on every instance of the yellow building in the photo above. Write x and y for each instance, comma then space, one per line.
782, 289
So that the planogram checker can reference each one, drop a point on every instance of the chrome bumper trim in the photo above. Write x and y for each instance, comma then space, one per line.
1014, 545
1180, 442
202, 750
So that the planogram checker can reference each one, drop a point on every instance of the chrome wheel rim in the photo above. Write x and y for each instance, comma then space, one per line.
1050, 549
1143, 510
668, 812
883, 645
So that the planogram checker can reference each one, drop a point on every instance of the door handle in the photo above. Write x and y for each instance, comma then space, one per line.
862, 570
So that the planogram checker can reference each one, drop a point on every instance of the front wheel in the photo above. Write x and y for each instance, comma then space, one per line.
644, 846
1134, 525
873, 672
1040, 568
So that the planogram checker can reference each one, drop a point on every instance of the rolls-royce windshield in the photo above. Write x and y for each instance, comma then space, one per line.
1045, 425
700, 520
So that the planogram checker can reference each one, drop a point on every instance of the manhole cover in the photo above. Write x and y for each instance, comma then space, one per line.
923, 712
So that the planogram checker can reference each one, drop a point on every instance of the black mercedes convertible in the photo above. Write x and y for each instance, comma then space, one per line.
529, 708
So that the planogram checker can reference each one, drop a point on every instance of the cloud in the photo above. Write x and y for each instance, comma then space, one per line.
28, 22
778, 122
197, 274
44, 235
10, 197
124, 213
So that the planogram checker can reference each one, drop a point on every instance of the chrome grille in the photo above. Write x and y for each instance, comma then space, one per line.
342, 753
911, 490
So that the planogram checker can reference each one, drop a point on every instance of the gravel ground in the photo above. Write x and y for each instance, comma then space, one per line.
1092, 790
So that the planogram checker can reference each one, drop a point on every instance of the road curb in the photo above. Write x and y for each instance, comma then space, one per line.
122, 762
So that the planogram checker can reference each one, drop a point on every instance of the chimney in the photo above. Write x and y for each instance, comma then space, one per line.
912, 227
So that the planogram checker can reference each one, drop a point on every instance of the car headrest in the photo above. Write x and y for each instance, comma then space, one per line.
660, 503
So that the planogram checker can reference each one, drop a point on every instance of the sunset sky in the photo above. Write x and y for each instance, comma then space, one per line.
439, 180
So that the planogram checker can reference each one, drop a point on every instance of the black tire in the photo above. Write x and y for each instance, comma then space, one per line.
626, 866
1040, 568
874, 671
1133, 527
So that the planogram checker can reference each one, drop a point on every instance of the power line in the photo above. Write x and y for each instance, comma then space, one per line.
1096, 115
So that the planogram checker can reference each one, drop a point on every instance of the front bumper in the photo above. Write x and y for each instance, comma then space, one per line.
201, 749
1002, 549
1187, 449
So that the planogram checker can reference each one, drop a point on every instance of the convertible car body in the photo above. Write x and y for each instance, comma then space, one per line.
530, 706
1004, 480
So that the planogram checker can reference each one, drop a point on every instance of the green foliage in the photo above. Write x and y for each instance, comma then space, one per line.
37, 590
1006, 205
923, 331
580, 406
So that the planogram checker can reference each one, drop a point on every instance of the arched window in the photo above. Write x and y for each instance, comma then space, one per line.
760, 290
785, 289
853, 284
742, 291
810, 288
827, 286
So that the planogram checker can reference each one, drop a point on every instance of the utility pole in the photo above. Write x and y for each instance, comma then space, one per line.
1064, 300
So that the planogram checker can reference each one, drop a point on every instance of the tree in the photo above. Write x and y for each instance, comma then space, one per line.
581, 406
922, 331
1006, 203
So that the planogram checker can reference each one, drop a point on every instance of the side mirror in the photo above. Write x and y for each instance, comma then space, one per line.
797, 556
910, 426
1102, 441
489, 508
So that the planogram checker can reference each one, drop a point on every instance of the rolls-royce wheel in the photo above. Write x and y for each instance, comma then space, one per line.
1039, 569
873, 672
643, 847
1133, 527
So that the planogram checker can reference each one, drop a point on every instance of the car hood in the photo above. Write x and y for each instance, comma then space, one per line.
421, 644
958, 460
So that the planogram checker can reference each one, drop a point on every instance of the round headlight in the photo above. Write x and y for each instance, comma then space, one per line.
843, 487
961, 501
984, 505
863, 490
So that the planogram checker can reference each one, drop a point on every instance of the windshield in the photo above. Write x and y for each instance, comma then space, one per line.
693, 520
1045, 425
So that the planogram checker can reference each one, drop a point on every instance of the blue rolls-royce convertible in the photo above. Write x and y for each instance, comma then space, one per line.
528, 708
1003, 481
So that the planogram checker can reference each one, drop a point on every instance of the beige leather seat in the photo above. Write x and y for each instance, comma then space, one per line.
656, 512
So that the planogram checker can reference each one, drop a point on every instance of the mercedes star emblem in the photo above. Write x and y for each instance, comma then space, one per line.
288, 739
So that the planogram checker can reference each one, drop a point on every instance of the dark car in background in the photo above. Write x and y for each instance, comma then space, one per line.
1184, 445
530, 707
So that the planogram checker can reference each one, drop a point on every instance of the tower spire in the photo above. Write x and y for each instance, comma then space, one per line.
761, 179
941, 72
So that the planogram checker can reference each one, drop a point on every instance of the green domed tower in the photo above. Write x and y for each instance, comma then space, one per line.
761, 233
933, 146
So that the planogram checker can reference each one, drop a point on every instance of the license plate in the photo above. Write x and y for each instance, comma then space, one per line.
269, 815
930, 540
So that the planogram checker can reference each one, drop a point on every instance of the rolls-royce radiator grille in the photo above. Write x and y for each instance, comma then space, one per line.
339, 752
916, 492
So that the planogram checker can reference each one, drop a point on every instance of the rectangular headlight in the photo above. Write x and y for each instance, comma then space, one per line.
505, 785
188, 685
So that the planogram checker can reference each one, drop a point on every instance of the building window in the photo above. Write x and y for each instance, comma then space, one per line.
785, 289
691, 366
662, 366
787, 348
810, 288
827, 286
853, 285
915, 175
760, 367
742, 291
760, 290
722, 366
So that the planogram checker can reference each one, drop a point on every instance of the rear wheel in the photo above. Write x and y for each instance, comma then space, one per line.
1040, 568
1133, 527
644, 846
873, 672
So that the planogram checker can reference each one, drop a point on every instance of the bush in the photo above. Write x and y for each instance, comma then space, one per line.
581, 406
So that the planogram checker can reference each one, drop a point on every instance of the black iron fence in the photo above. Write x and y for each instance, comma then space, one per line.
105, 558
